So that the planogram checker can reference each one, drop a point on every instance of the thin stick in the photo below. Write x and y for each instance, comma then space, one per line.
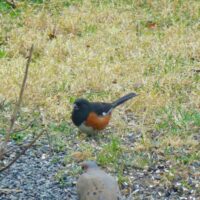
44, 122
137, 30
196, 70
17, 107
23, 129
50, 143
2, 104
5, 190
23, 151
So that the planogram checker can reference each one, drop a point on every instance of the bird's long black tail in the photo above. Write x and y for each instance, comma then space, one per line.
123, 99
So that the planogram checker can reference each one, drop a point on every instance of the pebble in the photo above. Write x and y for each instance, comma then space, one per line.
34, 177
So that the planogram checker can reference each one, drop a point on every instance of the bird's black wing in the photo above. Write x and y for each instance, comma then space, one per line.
101, 108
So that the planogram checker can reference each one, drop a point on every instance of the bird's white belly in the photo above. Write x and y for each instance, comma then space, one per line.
86, 129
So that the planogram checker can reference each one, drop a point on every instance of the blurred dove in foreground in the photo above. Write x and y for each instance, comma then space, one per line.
95, 184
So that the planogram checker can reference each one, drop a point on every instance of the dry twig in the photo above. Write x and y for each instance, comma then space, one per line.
17, 107
52, 35
2, 104
44, 122
196, 70
23, 129
23, 151
7, 190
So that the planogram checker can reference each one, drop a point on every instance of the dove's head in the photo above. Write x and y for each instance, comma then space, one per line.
89, 165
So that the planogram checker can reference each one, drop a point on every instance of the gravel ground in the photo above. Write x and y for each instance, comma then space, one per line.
150, 184
32, 177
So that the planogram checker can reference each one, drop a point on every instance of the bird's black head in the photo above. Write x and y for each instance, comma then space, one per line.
80, 111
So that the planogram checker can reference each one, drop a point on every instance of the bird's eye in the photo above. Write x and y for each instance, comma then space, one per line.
76, 107
84, 167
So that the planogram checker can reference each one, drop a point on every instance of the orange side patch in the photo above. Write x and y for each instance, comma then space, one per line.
97, 122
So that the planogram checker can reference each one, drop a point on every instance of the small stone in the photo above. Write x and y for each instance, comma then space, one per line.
44, 156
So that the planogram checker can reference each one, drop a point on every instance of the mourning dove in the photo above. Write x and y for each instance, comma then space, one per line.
95, 184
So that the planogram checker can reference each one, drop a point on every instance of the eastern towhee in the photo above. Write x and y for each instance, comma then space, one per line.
90, 117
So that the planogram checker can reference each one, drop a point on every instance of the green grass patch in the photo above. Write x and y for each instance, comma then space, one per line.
2, 53
68, 3
18, 137
2, 131
62, 127
60, 177
110, 153
188, 158
90, 28
177, 119
38, 1
5, 7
